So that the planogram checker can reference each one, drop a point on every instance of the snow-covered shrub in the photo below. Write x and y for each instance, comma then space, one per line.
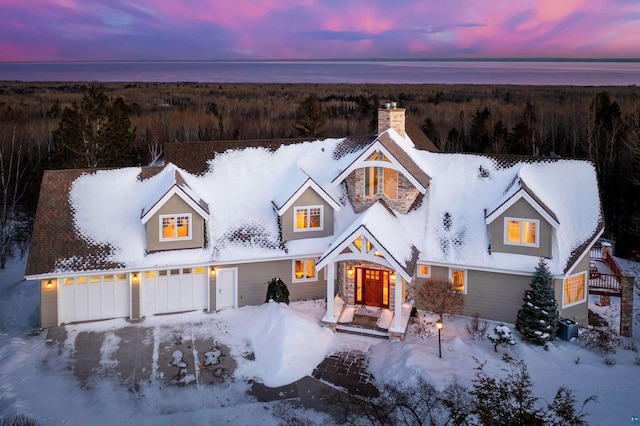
609, 360
477, 327
501, 336
628, 343
422, 328
601, 340
277, 291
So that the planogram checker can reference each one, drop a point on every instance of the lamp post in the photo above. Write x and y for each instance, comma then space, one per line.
439, 327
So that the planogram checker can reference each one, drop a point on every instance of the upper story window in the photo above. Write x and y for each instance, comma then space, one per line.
522, 232
308, 218
175, 227
380, 180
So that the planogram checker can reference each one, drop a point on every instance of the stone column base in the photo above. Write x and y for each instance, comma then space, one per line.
394, 335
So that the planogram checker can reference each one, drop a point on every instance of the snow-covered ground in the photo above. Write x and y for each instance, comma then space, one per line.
37, 379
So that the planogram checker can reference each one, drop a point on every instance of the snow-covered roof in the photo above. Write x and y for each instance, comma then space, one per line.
297, 183
381, 227
241, 186
170, 183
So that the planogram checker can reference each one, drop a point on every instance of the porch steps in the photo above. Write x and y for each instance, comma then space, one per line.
362, 331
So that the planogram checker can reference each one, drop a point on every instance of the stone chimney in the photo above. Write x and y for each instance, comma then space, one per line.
391, 117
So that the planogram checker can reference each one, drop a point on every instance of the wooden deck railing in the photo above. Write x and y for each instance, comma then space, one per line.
605, 282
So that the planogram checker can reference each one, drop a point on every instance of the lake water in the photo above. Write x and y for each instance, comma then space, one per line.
579, 73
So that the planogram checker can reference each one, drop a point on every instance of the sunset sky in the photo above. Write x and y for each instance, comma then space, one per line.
51, 30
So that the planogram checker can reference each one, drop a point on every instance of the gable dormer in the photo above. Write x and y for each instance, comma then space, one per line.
305, 209
522, 223
384, 171
176, 218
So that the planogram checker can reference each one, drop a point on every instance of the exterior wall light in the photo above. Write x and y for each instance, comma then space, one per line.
49, 284
212, 272
135, 278
350, 271
392, 275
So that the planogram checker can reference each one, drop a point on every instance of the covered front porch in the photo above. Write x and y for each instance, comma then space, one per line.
368, 288
369, 320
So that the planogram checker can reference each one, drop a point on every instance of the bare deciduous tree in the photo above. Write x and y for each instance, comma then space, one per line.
439, 296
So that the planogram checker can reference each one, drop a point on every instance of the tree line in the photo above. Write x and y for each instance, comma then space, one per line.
54, 125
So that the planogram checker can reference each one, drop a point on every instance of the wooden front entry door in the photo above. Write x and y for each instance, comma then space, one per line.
372, 286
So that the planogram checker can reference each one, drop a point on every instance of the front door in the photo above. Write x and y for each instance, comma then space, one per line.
372, 287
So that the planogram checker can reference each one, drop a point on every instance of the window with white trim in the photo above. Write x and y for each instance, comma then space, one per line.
175, 227
574, 289
521, 232
378, 180
304, 270
458, 278
424, 271
308, 218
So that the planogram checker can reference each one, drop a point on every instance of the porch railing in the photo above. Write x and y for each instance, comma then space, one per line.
605, 282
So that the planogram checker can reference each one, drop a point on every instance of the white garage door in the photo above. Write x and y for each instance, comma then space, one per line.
174, 290
94, 297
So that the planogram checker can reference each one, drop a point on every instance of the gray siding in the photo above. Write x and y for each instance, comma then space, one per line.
175, 205
253, 279
49, 304
522, 210
493, 296
308, 198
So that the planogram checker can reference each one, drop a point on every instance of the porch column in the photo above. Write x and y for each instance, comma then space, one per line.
329, 317
397, 308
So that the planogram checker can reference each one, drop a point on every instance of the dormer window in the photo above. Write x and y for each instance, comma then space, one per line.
521, 232
308, 218
175, 227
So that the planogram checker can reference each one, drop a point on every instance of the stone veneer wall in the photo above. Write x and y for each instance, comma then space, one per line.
626, 305
348, 284
407, 193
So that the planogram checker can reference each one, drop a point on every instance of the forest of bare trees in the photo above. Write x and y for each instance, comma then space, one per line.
46, 125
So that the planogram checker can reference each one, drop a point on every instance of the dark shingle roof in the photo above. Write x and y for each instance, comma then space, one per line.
193, 156
55, 243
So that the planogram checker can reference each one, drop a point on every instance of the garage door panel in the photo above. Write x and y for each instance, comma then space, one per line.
81, 300
175, 291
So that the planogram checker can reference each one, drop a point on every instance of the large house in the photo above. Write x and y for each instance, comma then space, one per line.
360, 222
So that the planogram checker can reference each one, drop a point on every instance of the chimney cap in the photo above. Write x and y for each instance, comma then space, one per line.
393, 105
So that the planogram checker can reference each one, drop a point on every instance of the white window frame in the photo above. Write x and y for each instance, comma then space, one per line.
304, 262
466, 274
308, 214
521, 243
427, 275
175, 219
378, 174
584, 295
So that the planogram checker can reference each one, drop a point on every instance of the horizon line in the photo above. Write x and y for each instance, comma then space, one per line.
441, 59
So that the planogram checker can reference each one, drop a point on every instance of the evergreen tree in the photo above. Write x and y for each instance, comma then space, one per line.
310, 117
95, 134
537, 320
277, 291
